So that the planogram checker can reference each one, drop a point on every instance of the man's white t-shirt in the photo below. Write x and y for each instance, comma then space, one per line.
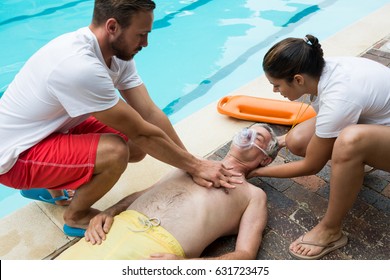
57, 89
351, 90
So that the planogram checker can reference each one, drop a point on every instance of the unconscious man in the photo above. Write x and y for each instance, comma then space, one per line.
176, 219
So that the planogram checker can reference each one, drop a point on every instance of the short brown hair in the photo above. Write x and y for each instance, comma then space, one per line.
121, 10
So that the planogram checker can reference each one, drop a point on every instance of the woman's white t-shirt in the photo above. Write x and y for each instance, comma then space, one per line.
351, 90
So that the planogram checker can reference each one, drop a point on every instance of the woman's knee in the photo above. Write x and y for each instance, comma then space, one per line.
349, 143
296, 143
299, 137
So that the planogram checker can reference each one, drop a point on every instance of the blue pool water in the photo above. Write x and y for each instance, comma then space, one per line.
199, 50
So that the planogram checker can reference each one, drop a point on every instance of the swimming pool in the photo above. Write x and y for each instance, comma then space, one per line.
198, 51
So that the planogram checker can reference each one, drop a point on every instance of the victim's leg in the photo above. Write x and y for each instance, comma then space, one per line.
356, 146
111, 161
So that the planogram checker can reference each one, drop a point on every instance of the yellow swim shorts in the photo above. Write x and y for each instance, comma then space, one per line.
133, 236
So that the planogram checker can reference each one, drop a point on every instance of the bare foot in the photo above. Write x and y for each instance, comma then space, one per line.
59, 193
81, 219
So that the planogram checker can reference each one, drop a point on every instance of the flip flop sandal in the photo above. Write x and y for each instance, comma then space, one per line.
342, 241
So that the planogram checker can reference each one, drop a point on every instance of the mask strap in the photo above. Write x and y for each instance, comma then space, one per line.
261, 149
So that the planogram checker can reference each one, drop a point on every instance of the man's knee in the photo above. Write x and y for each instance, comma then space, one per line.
112, 152
136, 155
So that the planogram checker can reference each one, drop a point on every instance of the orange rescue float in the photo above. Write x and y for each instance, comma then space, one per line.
265, 110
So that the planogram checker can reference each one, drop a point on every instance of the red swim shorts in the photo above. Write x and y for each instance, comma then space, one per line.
60, 161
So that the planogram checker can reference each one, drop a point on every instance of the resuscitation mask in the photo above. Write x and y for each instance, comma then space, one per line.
245, 139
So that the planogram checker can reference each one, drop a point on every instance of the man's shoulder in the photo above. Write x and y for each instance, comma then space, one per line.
76, 70
254, 191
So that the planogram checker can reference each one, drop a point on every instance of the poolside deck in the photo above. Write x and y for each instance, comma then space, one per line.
295, 205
